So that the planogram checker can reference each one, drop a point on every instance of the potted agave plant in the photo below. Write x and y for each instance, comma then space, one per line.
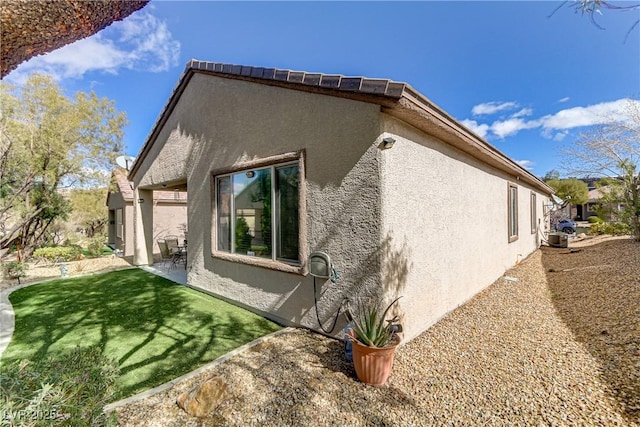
374, 340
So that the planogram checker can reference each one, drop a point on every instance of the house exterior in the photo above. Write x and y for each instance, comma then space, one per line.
279, 164
594, 202
169, 210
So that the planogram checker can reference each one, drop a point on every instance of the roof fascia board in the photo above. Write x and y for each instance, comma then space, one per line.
357, 96
403, 102
452, 132
162, 119
294, 80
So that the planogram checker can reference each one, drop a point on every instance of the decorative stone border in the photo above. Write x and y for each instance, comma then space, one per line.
163, 387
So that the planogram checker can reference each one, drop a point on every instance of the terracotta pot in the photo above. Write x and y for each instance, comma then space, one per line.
373, 364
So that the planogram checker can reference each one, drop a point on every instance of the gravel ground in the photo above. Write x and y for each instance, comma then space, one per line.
596, 292
561, 346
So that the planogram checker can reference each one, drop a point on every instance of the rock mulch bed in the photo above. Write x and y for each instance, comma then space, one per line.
529, 352
596, 292
42, 271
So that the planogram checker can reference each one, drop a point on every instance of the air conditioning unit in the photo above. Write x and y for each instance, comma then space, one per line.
559, 240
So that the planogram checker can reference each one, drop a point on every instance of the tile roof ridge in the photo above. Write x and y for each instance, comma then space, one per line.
339, 82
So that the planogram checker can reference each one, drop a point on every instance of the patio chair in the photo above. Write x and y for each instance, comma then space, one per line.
179, 257
165, 253
172, 243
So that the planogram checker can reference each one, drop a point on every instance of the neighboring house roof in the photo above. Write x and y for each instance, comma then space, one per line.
598, 193
32, 28
123, 186
395, 98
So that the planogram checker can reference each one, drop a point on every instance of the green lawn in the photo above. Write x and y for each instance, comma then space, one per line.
154, 329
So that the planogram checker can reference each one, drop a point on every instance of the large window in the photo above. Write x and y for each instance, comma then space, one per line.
257, 213
534, 215
513, 212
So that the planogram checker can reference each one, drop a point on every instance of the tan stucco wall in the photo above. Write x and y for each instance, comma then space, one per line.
114, 202
219, 123
168, 219
124, 243
127, 218
444, 219
421, 219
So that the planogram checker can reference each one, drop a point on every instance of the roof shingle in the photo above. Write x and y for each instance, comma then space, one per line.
381, 87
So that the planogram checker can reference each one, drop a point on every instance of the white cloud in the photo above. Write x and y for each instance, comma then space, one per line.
527, 164
565, 99
140, 42
493, 107
555, 126
523, 112
479, 129
511, 126
587, 116
560, 135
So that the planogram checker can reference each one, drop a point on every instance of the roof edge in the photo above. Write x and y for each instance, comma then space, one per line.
459, 136
377, 91
399, 99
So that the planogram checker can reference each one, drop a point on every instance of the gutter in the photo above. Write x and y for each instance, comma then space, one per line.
418, 111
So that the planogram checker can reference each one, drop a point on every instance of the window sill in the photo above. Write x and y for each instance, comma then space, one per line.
261, 262
513, 239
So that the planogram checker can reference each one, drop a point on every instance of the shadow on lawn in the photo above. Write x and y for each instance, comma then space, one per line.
151, 326
596, 293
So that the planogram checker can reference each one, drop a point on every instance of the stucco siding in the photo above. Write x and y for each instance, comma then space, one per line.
421, 220
223, 123
127, 218
115, 202
169, 219
444, 218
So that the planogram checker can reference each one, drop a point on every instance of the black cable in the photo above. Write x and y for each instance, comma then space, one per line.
315, 302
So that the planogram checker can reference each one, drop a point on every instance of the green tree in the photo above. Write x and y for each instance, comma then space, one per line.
49, 142
89, 210
243, 237
262, 194
613, 150
571, 189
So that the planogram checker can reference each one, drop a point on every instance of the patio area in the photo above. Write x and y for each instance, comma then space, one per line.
176, 274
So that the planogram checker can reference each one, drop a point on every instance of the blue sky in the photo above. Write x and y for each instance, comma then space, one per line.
526, 82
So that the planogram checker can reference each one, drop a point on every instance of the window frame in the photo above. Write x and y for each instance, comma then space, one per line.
512, 203
534, 212
272, 162
119, 223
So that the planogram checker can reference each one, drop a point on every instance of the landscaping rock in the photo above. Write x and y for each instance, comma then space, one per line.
203, 398
525, 353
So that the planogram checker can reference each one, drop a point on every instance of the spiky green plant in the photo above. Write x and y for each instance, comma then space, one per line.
369, 325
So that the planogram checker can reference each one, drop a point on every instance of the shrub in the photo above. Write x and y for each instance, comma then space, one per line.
612, 228
14, 269
95, 247
59, 253
594, 219
70, 389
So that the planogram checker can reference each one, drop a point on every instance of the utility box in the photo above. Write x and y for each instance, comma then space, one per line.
559, 240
